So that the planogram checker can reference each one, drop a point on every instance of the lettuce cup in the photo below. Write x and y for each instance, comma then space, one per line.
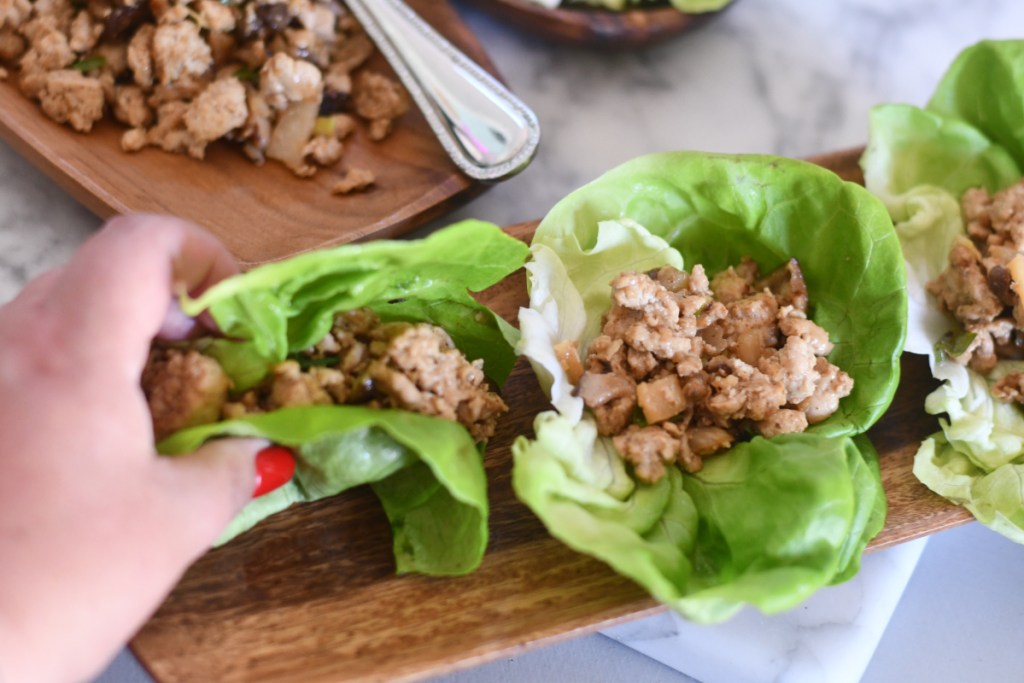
368, 362
688, 6
950, 175
773, 509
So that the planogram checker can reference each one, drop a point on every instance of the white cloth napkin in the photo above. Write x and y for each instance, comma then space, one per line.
831, 637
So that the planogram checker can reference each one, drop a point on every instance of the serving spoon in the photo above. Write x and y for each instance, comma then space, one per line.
487, 131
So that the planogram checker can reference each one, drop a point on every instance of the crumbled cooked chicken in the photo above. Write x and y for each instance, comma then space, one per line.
324, 150
130, 106
216, 16
418, 368
649, 449
179, 52
157, 59
69, 97
1010, 388
379, 100
184, 388
218, 110
169, 133
84, 32
361, 361
133, 139
140, 56
284, 80
51, 50
705, 362
982, 284
13, 13
353, 180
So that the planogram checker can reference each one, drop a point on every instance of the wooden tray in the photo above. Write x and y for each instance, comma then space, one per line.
581, 25
262, 213
311, 595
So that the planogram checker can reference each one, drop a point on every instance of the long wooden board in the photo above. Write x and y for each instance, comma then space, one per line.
311, 595
262, 213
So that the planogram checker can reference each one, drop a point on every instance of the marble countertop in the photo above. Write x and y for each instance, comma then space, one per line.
789, 77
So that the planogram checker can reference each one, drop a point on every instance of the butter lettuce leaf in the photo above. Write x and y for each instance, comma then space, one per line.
688, 6
427, 472
920, 162
765, 523
713, 209
281, 308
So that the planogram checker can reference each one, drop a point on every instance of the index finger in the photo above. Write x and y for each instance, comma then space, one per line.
115, 292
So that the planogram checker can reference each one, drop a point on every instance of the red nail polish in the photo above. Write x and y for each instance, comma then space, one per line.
275, 466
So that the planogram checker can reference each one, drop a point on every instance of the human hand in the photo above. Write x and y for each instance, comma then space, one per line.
95, 528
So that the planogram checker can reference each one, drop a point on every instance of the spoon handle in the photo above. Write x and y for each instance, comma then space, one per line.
488, 132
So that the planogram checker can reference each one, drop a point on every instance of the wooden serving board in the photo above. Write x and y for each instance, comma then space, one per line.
262, 213
311, 594
583, 25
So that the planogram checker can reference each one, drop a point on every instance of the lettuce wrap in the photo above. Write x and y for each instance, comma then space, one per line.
426, 471
920, 161
688, 6
766, 522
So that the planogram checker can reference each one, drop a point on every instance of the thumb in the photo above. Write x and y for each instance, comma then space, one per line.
208, 488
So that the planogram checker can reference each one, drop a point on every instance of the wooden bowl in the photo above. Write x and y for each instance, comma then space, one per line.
579, 25
262, 213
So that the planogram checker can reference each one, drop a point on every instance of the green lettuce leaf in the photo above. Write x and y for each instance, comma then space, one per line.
688, 6
767, 522
977, 460
281, 308
426, 471
710, 543
714, 209
920, 162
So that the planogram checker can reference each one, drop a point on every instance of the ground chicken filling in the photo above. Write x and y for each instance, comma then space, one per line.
284, 80
361, 361
982, 286
684, 367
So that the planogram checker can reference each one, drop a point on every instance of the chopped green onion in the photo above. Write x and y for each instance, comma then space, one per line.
90, 63
324, 126
247, 73
953, 344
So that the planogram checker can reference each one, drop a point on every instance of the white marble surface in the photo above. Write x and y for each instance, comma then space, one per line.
793, 77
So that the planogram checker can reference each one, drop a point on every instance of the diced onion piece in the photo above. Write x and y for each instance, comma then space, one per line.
293, 130
661, 399
568, 353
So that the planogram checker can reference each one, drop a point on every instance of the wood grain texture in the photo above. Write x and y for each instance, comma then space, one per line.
310, 594
581, 25
262, 213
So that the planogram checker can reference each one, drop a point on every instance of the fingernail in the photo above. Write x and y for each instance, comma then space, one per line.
275, 466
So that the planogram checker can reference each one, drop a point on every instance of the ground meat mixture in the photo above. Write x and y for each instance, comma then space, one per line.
983, 283
360, 362
184, 388
685, 366
283, 80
